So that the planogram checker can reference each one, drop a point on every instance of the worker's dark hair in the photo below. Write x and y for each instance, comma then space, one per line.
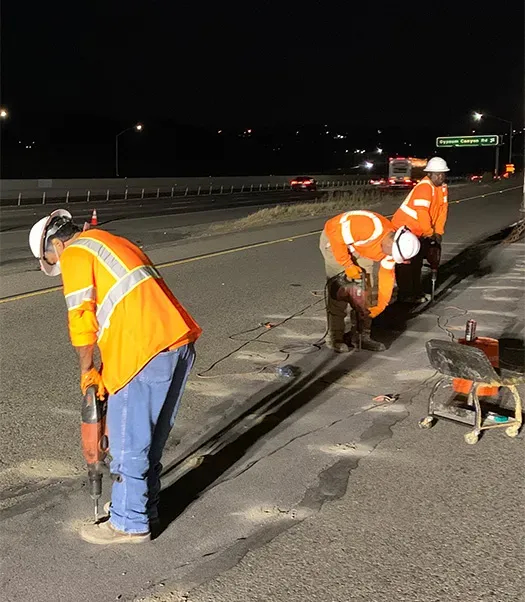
62, 228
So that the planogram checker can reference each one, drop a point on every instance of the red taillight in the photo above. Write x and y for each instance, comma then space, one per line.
293, 182
392, 180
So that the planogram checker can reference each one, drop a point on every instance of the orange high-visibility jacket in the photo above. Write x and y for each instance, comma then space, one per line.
117, 299
424, 210
356, 233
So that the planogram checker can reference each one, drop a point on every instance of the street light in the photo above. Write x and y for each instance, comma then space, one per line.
4, 114
478, 116
138, 127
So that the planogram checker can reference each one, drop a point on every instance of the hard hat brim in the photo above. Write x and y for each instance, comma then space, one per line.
437, 170
50, 270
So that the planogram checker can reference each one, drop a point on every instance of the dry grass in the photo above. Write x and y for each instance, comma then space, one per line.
331, 203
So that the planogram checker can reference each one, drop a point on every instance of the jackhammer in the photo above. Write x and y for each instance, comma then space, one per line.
433, 258
94, 441
354, 293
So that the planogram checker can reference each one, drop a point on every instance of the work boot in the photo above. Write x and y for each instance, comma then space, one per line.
106, 534
369, 344
414, 299
336, 331
337, 345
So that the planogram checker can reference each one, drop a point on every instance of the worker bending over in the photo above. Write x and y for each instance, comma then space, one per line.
424, 211
358, 242
117, 300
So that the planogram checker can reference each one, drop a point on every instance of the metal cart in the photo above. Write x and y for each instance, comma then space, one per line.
453, 360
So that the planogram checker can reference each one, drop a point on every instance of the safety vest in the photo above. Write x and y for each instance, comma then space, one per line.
361, 233
424, 210
117, 299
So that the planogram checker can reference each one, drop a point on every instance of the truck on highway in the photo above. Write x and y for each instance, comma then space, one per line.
403, 172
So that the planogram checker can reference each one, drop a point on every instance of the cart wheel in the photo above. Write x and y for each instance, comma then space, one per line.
426, 423
472, 438
512, 431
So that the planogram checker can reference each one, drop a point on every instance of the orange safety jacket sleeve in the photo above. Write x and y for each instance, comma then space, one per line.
340, 250
386, 280
443, 214
80, 294
423, 217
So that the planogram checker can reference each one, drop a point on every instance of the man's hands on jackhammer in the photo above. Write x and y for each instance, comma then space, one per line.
353, 272
92, 378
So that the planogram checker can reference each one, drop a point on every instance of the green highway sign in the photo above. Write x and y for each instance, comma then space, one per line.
463, 141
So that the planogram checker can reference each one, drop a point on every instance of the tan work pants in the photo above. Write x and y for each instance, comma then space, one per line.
336, 311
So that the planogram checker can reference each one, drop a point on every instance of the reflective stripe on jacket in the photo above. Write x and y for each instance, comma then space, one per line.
424, 210
362, 233
116, 298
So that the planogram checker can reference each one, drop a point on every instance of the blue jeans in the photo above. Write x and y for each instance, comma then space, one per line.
140, 417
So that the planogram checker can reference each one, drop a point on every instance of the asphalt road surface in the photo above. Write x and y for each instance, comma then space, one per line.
282, 489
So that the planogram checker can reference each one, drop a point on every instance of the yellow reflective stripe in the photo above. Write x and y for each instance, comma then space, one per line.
409, 211
104, 255
347, 235
378, 226
119, 291
75, 299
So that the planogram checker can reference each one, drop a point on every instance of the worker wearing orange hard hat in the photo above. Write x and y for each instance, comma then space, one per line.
117, 301
424, 211
357, 246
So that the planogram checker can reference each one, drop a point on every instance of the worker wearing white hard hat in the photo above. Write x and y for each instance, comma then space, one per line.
425, 212
360, 250
39, 237
118, 303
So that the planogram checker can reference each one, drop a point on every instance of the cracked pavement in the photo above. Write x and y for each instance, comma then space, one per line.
275, 488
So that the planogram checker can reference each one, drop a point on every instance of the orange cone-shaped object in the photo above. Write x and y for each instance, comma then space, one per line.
94, 220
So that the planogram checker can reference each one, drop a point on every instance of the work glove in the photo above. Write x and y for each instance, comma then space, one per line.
93, 378
353, 272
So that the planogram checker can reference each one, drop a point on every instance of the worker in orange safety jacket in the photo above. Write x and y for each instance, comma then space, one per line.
425, 212
359, 243
117, 301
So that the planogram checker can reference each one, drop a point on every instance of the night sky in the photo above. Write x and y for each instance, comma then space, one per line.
86, 69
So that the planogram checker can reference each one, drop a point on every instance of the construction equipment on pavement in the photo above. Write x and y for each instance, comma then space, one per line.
94, 441
468, 363
94, 218
433, 259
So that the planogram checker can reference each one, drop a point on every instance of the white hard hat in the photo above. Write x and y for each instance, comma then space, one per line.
38, 238
437, 165
406, 245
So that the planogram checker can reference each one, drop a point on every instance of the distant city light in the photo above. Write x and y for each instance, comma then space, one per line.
477, 116
3, 113
379, 150
139, 127
368, 165
219, 131
363, 151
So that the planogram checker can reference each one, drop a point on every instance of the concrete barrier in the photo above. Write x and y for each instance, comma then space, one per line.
48, 190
